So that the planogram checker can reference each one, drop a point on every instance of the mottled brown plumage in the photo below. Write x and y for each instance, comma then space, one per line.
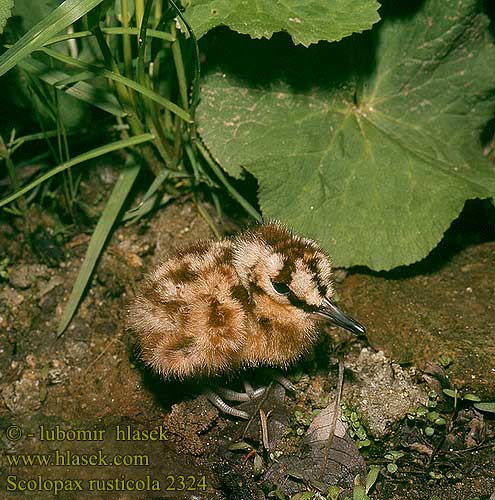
218, 306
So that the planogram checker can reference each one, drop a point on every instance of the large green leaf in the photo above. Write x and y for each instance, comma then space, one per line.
33, 12
5, 12
373, 156
306, 22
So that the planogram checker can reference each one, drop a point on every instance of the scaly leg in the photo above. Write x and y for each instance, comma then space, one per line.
215, 398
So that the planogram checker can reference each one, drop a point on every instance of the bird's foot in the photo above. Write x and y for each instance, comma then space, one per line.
215, 397
283, 381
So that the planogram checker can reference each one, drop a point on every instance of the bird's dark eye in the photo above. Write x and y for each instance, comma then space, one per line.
281, 288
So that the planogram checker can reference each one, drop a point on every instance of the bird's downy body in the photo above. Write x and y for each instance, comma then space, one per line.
218, 306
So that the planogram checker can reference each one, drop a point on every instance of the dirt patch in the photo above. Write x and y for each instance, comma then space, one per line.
449, 312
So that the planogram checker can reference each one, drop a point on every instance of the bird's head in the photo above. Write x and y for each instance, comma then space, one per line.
291, 271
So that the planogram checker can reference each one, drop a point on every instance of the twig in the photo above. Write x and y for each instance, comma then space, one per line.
335, 416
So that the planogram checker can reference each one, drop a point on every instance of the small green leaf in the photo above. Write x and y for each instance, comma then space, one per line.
471, 397
429, 431
240, 445
444, 360
258, 465
421, 411
363, 443
372, 477
359, 494
436, 474
433, 415
489, 407
392, 468
394, 455
277, 494
451, 392
303, 495
334, 492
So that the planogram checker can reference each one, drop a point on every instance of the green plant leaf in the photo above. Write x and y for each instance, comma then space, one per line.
452, 393
471, 397
6, 7
372, 145
306, 22
98, 238
33, 12
372, 477
51, 25
490, 407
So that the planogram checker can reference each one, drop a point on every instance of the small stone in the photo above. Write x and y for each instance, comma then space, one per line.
24, 275
339, 275
22, 397
383, 392
31, 361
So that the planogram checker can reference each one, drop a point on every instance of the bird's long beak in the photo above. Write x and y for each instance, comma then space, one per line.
331, 313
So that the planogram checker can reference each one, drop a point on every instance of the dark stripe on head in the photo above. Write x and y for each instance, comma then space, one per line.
300, 304
285, 274
312, 264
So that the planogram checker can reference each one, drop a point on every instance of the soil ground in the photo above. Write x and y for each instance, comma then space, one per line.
55, 390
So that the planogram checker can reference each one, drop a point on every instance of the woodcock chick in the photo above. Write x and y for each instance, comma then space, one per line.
219, 306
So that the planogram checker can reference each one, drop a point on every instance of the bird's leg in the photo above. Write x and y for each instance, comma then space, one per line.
248, 388
283, 381
231, 395
217, 401
215, 397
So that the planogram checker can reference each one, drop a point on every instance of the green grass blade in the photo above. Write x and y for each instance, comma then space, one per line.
81, 90
33, 137
94, 153
154, 202
98, 239
64, 15
79, 77
197, 63
118, 30
145, 92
